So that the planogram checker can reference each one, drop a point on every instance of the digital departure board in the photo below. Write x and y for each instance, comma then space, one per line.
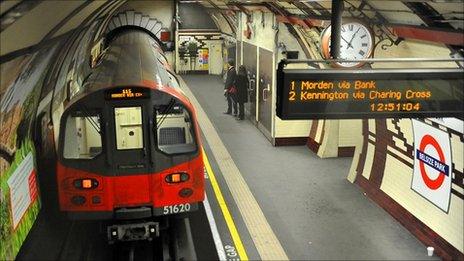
127, 93
374, 93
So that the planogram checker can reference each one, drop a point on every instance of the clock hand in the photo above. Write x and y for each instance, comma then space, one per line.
347, 42
352, 38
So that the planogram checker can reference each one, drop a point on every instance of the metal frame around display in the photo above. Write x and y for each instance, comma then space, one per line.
285, 112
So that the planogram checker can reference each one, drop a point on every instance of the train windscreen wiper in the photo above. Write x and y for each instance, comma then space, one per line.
166, 111
89, 117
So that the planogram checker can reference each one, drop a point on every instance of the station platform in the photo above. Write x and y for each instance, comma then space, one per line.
307, 204
262, 203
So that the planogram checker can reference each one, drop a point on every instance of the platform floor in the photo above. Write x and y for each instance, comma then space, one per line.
312, 209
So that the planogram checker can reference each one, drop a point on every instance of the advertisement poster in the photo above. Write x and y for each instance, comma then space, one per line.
432, 164
23, 189
203, 59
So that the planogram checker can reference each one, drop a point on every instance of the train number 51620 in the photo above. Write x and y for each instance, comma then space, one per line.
174, 209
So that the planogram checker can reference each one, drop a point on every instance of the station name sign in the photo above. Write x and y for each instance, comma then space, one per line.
127, 93
374, 93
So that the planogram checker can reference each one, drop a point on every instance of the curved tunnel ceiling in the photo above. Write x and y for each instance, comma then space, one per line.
449, 12
194, 16
47, 21
26, 24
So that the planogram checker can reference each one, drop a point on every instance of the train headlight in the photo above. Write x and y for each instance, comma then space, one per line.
85, 183
177, 177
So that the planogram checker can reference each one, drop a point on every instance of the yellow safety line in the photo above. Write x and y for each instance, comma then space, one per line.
225, 211
266, 242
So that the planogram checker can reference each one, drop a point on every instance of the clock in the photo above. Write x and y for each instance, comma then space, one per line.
357, 43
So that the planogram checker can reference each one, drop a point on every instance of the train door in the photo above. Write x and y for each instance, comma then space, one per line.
130, 153
265, 91
249, 60
130, 144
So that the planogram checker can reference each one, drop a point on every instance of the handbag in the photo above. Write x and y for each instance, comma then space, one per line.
232, 90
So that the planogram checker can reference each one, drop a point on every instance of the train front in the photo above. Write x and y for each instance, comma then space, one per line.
129, 153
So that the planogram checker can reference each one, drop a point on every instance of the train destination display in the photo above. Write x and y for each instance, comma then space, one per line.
344, 94
127, 93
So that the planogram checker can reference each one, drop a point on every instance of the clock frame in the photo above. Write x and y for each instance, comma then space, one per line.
325, 44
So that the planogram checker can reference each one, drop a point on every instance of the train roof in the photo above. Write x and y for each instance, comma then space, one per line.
132, 58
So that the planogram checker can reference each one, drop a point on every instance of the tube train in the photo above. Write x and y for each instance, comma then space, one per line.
128, 143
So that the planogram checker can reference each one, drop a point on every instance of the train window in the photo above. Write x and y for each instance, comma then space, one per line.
129, 132
82, 136
175, 133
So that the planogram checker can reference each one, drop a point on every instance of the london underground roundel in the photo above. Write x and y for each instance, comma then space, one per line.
432, 164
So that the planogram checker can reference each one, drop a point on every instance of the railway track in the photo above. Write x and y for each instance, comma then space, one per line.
87, 241
54, 237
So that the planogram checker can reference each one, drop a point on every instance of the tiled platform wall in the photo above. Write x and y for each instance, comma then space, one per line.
385, 169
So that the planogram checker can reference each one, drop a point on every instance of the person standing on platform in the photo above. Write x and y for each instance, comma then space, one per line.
229, 88
241, 83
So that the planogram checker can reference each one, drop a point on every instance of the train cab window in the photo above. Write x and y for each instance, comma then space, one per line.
175, 133
129, 133
82, 136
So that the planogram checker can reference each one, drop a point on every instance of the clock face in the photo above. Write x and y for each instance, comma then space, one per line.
356, 43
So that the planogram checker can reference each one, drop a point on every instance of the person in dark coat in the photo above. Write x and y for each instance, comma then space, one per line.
230, 80
241, 97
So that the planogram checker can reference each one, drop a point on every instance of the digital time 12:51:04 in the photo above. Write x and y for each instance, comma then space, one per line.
395, 106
